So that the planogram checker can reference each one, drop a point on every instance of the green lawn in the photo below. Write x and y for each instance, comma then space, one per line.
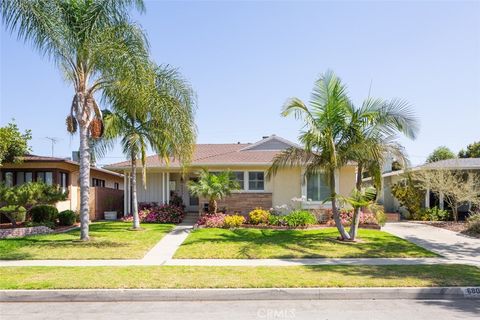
268, 244
237, 277
109, 240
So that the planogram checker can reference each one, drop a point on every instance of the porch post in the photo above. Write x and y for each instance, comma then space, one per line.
427, 199
125, 194
441, 200
168, 187
163, 187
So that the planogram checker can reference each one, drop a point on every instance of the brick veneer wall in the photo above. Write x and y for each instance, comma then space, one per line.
244, 202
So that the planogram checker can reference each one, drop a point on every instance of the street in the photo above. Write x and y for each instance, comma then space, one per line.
268, 310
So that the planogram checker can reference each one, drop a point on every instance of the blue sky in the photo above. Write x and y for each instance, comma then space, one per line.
244, 59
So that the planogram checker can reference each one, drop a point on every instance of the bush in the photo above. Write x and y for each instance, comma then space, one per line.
66, 218
379, 213
276, 220
346, 217
473, 223
432, 214
12, 212
48, 224
258, 216
233, 221
166, 213
409, 195
300, 218
43, 213
216, 220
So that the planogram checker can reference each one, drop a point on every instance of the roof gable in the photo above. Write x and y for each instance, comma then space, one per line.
271, 143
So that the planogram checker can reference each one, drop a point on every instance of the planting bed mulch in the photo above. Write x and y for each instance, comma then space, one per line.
312, 227
460, 226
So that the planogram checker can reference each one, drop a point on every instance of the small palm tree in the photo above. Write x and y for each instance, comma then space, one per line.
160, 116
94, 44
325, 138
374, 129
213, 186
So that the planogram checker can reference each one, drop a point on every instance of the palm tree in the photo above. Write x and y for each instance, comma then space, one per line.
374, 129
213, 186
159, 115
94, 44
326, 139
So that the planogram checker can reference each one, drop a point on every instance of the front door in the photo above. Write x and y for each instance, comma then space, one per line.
193, 201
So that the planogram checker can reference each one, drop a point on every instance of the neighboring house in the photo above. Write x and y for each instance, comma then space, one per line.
106, 186
471, 166
249, 163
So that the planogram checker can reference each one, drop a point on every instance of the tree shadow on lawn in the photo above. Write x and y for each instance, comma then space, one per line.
309, 244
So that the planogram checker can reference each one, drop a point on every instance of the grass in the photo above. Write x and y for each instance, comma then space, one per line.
268, 244
109, 240
237, 277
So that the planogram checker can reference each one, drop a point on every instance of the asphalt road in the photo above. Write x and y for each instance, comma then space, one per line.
265, 310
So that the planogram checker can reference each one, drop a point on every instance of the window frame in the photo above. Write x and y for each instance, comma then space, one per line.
248, 188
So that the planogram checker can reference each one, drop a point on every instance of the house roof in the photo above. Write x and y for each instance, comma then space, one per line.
37, 158
452, 164
259, 153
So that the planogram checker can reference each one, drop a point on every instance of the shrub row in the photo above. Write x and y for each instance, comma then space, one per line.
154, 213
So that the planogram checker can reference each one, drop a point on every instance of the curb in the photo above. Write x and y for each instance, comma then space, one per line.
108, 295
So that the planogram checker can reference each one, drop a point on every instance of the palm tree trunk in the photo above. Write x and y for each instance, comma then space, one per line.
336, 217
136, 219
84, 181
212, 206
356, 211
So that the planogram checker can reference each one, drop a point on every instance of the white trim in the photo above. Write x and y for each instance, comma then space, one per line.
269, 138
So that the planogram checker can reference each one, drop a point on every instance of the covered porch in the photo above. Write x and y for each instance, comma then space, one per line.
161, 187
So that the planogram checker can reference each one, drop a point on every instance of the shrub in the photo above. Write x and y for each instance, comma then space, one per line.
233, 221
379, 213
346, 217
300, 218
473, 223
432, 214
258, 216
409, 195
43, 213
166, 213
276, 220
12, 212
216, 220
66, 218
48, 224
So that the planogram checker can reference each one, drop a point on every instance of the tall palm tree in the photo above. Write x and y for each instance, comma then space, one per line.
157, 114
213, 186
94, 43
325, 137
375, 127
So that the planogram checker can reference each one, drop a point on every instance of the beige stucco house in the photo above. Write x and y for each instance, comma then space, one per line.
105, 186
249, 163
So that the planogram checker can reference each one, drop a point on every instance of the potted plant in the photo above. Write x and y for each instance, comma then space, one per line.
111, 214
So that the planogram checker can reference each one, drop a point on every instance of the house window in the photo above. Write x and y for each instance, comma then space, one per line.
45, 177
317, 187
28, 177
256, 180
63, 181
116, 185
8, 179
240, 178
20, 179
98, 183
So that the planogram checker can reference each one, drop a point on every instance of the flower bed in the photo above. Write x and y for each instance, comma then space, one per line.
23, 232
154, 213
296, 219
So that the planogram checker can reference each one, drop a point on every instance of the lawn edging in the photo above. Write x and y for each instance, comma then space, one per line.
118, 295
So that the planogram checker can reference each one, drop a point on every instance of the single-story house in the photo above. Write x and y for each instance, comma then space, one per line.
471, 166
249, 163
106, 186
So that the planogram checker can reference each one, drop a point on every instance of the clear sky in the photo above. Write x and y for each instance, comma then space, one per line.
244, 59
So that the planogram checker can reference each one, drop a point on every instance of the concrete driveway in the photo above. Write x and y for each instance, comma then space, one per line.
449, 244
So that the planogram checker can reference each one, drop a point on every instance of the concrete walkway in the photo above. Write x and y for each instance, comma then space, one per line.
453, 247
449, 244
